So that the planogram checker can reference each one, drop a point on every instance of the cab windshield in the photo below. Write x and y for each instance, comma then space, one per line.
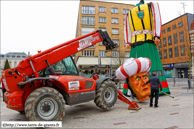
64, 67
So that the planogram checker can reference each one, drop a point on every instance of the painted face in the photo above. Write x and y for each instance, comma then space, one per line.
137, 83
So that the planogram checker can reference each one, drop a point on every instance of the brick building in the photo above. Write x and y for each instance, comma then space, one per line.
191, 33
95, 15
175, 45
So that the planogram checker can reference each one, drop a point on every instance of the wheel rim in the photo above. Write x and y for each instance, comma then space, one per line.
109, 94
47, 108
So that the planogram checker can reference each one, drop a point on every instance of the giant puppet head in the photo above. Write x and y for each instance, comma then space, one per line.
136, 70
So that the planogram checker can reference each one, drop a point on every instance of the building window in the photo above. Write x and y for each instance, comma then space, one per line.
181, 36
116, 41
174, 27
88, 53
182, 50
160, 53
180, 24
102, 53
115, 31
175, 38
88, 10
115, 54
18, 56
168, 29
86, 30
170, 53
115, 20
102, 9
127, 54
102, 19
125, 11
160, 44
88, 20
15, 64
176, 51
114, 10
165, 54
169, 41
163, 31
164, 42
13, 56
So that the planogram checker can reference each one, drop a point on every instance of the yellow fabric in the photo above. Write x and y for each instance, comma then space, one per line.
137, 22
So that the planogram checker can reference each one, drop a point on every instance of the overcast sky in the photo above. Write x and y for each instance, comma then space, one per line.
27, 26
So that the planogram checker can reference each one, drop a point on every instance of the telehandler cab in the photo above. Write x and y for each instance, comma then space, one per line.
42, 84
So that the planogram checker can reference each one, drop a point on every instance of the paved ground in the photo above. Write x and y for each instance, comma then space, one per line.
171, 114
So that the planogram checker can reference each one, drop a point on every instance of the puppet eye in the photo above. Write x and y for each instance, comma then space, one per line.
145, 77
138, 79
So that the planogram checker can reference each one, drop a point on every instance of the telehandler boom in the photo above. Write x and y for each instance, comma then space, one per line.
42, 84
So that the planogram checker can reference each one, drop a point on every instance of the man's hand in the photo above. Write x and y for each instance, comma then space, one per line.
128, 46
160, 90
156, 41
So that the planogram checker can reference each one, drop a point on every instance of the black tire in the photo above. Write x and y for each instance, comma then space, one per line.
45, 104
22, 112
106, 95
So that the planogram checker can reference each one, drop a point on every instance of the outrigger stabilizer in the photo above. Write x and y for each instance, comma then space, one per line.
132, 104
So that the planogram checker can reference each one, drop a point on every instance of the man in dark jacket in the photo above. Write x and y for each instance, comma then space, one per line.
155, 81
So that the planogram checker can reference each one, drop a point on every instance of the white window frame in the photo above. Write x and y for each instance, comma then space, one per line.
88, 20
102, 53
102, 9
102, 19
125, 11
115, 21
115, 53
88, 10
114, 10
115, 31
88, 53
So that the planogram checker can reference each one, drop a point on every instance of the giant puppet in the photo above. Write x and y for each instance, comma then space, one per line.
142, 33
136, 72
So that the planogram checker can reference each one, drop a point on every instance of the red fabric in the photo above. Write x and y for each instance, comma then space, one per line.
123, 71
126, 27
138, 64
125, 86
164, 84
149, 62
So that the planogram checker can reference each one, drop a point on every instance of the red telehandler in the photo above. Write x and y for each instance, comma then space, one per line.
42, 84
